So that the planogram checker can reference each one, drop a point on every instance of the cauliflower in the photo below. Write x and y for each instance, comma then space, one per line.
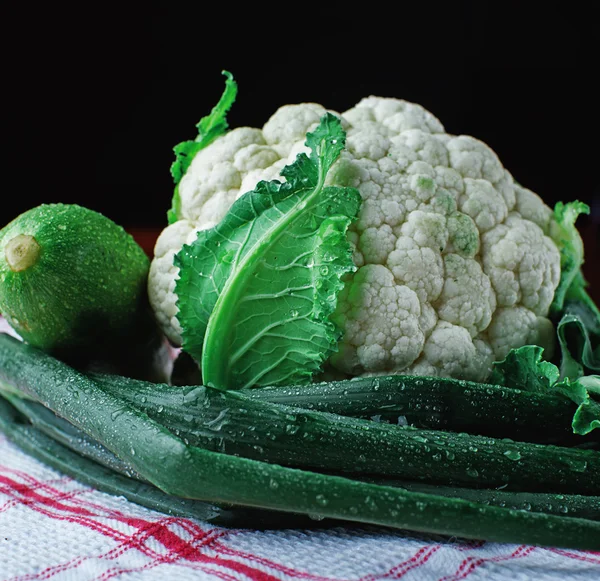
455, 260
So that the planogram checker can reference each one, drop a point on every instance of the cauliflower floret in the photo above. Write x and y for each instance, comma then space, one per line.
381, 322
419, 268
163, 275
454, 263
450, 352
513, 328
523, 264
467, 298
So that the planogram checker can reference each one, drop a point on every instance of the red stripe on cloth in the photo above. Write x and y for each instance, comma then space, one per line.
586, 557
29, 494
397, 571
160, 560
420, 558
264, 562
12, 502
470, 564
180, 549
177, 547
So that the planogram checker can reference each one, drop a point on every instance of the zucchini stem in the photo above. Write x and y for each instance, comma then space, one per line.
22, 252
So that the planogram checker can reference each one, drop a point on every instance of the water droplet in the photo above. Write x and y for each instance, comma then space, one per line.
322, 500
513, 454
578, 465
291, 429
472, 472
217, 423
294, 313
273, 484
371, 503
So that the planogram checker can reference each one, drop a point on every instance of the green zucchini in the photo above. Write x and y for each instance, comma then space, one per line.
187, 471
73, 282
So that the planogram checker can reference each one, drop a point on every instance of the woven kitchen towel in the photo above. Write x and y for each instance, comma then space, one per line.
53, 527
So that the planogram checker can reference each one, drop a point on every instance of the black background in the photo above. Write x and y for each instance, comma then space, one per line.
99, 95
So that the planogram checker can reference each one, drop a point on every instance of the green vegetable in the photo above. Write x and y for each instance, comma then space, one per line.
425, 402
209, 128
256, 291
525, 367
191, 472
230, 422
437, 403
74, 458
64, 447
73, 282
569, 243
515, 460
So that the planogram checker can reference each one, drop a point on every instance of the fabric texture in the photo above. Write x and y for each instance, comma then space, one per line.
54, 527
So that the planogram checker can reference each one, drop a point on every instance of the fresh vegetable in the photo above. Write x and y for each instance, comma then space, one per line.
524, 366
188, 471
232, 423
77, 464
373, 249
425, 402
64, 447
456, 263
73, 282
256, 291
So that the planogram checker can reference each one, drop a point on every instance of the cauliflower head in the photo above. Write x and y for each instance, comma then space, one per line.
455, 262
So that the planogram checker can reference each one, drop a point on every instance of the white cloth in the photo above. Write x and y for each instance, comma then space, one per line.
53, 527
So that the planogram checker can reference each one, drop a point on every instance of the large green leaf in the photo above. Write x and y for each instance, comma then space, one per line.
255, 292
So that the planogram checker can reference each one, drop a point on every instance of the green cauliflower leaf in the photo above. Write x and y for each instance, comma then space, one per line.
255, 293
209, 128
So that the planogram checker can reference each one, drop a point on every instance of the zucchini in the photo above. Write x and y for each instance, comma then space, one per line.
73, 283
187, 471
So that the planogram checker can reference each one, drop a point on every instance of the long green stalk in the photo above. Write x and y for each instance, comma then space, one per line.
232, 423
66, 435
